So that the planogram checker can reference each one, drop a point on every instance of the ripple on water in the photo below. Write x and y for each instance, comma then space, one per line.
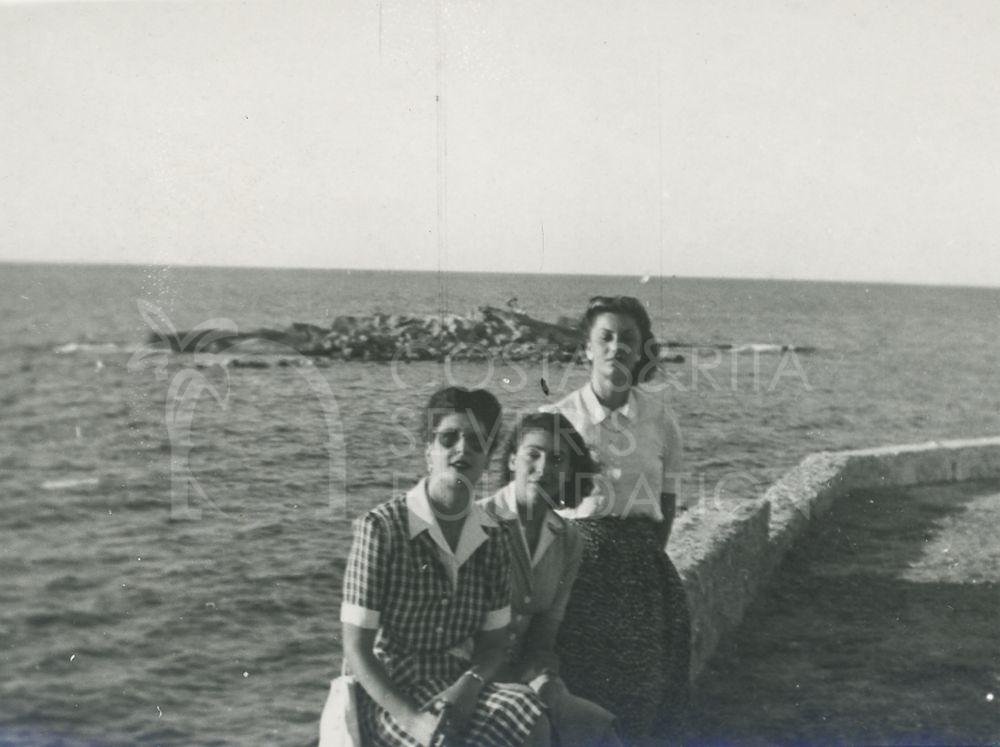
72, 582
73, 618
28, 734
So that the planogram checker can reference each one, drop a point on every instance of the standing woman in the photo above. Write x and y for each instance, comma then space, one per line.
427, 600
625, 640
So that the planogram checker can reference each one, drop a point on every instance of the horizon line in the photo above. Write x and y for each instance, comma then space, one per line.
640, 276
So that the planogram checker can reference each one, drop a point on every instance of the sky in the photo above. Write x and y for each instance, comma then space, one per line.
813, 140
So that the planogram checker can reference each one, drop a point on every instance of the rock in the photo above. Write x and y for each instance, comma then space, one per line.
491, 331
247, 363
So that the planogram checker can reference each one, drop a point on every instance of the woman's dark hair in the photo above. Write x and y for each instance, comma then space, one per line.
581, 464
476, 403
649, 348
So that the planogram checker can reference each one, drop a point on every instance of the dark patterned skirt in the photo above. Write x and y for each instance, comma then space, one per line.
625, 642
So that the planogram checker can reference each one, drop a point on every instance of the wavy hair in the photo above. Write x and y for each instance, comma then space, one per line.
649, 348
558, 426
478, 404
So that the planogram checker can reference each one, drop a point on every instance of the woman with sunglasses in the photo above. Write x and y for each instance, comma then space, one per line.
625, 639
546, 464
426, 600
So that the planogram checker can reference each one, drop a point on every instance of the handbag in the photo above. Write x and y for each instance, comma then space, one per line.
338, 726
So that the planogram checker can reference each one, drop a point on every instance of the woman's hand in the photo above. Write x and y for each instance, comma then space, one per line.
460, 703
551, 689
422, 725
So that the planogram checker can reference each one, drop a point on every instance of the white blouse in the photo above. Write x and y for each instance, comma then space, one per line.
637, 449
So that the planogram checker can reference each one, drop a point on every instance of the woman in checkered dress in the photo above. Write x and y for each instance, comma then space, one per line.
427, 600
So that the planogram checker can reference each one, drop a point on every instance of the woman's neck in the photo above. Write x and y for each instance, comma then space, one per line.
531, 515
450, 504
609, 393
448, 500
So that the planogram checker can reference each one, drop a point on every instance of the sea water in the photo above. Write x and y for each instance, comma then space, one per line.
174, 530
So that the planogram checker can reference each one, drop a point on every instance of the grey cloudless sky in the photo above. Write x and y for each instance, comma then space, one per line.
843, 141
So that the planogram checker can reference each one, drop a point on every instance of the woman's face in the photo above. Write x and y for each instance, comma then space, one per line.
541, 467
613, 346
457, 451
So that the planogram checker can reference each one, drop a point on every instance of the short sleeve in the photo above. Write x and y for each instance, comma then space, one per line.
498, 584
672, 457
365, 578
574, 556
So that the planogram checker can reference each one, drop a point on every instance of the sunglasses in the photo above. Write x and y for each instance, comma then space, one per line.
449, 437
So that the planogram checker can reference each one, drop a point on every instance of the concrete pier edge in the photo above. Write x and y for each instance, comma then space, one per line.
725, 554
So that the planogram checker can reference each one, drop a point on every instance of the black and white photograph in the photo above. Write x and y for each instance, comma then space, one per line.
444, 373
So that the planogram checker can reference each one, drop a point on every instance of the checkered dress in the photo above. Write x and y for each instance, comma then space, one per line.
423, 617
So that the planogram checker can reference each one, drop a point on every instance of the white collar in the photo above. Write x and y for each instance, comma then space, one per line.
421, 519
506, 503
598, 412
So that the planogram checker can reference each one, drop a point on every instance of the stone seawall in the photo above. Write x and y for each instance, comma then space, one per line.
726, 553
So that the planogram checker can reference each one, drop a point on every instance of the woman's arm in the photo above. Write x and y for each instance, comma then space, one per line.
372, 675
668, 505
538, 655
366, 594
489, 655
671, 486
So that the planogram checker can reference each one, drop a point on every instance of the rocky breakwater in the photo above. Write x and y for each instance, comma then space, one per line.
490, 332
